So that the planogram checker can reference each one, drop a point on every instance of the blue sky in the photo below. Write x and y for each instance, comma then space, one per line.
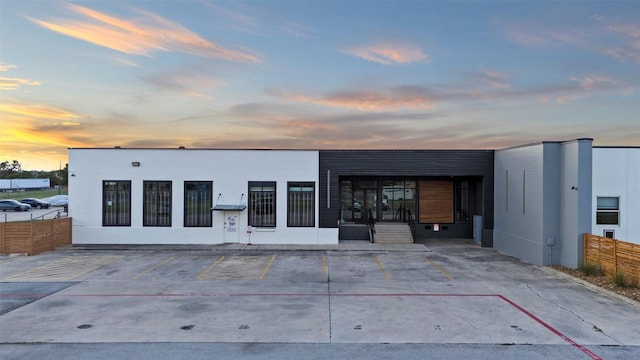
314, 75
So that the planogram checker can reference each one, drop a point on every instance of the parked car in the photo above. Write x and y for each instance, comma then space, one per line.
36, 203
57, 200
15, 205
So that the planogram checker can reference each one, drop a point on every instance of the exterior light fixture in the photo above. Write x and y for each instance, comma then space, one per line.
135, 163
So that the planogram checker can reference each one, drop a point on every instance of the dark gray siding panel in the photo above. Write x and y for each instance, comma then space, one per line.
398, 163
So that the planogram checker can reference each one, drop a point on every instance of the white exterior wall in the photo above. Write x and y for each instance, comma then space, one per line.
575, 199
519, 205
546, 200
616, 172
229, 170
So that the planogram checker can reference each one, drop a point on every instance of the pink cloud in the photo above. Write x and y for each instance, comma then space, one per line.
6, 67
399, 98
389, 54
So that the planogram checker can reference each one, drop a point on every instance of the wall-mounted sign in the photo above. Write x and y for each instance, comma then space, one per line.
232, 222
436, 227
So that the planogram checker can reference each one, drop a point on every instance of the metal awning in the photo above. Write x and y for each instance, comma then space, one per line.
229, 207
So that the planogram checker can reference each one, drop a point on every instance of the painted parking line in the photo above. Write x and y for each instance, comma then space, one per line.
324, 265
443, 271
208, 269
65, 269
153, 268
238, 268
266, 268
384, 273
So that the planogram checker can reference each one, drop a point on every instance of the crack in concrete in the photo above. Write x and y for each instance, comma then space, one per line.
593, 326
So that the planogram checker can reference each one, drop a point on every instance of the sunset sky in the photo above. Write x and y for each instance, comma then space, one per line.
314, 75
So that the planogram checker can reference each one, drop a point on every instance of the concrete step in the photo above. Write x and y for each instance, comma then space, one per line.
393, 233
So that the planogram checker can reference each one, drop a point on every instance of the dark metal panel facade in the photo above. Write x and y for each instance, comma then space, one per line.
335, 164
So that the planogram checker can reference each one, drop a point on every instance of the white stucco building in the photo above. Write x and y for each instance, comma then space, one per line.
616, 193
166, 196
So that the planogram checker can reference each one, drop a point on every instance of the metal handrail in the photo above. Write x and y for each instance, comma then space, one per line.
58, 211
412, 224
372, 226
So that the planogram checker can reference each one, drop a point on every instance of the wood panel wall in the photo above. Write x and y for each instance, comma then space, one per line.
436, 201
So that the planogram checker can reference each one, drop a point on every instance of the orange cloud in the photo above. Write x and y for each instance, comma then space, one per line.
15, 83
142, 36
406, 98
34, 110
10, 83
389, 54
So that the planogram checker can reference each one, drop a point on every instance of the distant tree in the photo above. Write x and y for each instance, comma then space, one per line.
64, 175
10, 168
59, 177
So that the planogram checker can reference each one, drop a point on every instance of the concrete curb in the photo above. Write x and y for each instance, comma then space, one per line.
591, 286
365, 246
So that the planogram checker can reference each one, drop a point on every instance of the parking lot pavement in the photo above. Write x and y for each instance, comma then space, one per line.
454, 293
50, 213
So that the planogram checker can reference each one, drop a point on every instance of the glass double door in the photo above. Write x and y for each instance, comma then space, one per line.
365, 202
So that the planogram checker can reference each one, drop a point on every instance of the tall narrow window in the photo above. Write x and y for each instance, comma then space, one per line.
157, 203
301, 204
608, 210
262, 203
116, 203
197, 203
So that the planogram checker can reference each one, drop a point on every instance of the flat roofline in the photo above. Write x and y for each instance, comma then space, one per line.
616, 147
545, 142
182, 148
266, 149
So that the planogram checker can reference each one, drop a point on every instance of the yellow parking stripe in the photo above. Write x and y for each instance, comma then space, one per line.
384, 273
204, 273
264, 272
324, 264
443, 271
66, 268
153, 268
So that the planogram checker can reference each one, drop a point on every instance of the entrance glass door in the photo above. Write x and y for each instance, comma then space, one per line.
363, 201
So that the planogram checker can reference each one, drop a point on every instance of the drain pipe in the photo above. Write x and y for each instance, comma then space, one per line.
550, 243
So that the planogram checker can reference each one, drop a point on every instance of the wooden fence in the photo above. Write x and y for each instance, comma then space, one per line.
614, 256
34, 237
